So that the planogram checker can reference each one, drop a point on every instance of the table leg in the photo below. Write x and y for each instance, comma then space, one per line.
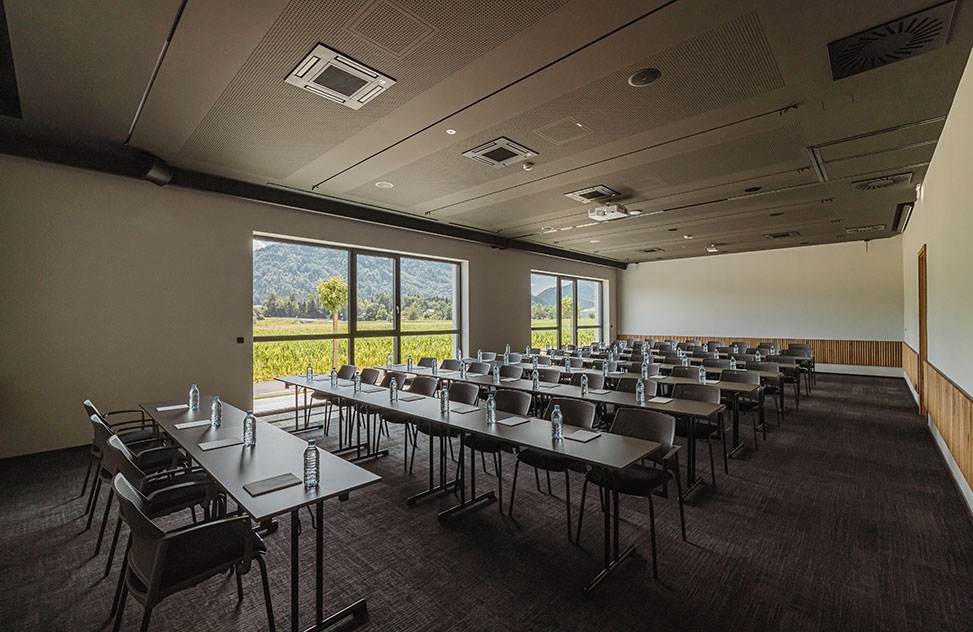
443, 484
737, 444
489, 496
612, 556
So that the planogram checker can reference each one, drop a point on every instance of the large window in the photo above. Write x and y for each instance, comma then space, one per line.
332, 306
564, 310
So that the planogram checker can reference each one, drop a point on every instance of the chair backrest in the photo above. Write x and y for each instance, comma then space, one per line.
464, 393
793, 351
694, 342
515, 357
651, 341
400, 379
347, 371
744, 357
683, 345
451, 364
727, 350
628, 384
718, 364
672, 358
512, 370
769, 345
714, 344
146, 537
482, 368
697, 392
427, 361
489, 356
740, 375
691, 372
90, 409
801, 346
535, 350
543, 360
570, 348
100, 432
664, 347
699, 353
513, 402
763, 366
653, 369
595, 380
648, 425
424, 385
741, 345
122, 460
634, 342
634, 367
575, 363
369, 376
576, 412
782, 360
552, 376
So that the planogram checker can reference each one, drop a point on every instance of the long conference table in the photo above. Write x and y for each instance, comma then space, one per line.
610, 452
220, 452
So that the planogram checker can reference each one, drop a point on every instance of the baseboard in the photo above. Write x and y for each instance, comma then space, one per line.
964, 488
855, 369
912, 389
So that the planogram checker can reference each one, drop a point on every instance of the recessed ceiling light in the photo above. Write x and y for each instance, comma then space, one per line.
635, 211
567, 228
450, 131
712, 248
687, 236
384, 185
595, 241
644, 77
548, 229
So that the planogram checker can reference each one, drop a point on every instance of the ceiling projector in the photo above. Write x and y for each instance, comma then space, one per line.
607, 213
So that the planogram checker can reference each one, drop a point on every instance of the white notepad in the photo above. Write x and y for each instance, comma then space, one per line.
163, 409
599, 391
548, 385
711, 381
582, 435
509, 379
192, 424
410, 398
512, 421
463, 408
220, 443
660, 400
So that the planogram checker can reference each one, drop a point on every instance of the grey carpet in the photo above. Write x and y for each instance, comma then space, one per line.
845, 519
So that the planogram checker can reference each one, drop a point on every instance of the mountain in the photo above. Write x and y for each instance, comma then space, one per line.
586, 296
285, 268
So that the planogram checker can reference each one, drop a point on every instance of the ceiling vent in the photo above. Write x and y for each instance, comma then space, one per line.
591, 194
902, 214
786, 235
337, 78
607, 213
893, 41
865, 229
500, 153
874, 184
563, 131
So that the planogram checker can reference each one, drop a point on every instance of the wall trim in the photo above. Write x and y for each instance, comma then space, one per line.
858, 369
966, 493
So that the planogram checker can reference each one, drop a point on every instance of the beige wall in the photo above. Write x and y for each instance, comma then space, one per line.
838, 291
122, 291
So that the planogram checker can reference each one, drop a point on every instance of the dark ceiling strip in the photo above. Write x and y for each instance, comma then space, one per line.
9, 95
551, 251
501, 89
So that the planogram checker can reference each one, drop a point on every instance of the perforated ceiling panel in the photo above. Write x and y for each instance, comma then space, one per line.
727, 64
262, 125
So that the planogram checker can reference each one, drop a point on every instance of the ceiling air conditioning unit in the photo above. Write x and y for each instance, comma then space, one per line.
607, 213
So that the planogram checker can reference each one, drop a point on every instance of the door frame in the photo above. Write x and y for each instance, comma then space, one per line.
923, 334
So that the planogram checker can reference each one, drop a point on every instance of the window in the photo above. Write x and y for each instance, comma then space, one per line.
564, 310
331, 306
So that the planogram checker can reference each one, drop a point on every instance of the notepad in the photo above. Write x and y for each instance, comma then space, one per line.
582, 436
657, 377
711, 381
163, 409
220, 443
471, 374
660, 400
548, 385
272, 484
192, 424
599, 391
373, 389
509, 379
512, 421
410, 398
463, 408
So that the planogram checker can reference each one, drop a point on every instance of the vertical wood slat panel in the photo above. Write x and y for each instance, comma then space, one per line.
952, 411
910, 364
887, 353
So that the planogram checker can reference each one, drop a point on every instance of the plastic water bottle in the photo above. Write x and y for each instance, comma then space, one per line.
311, 467
645, 370
496, 374
193, 397
535, 379
249, 430
479, 355
685, 360
334, 377
388, 361
567, 365
459, 353
604, 370
408, 363
491, 410
444, 401
506, 349
533, 363
527, 350
584, 385
733, 363
736, 349
393, 391
640, 392
557, 424
506, 356
705, 347
435, 368
216, 413
357, 382
756, 356
702, 374
462, 370
716, 355
310, 373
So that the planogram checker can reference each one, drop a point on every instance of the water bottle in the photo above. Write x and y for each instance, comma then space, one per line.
756, 356
506, 350
193, 398
706, 348
685, 360
736, 349
479, 355
462, 371
584, 385
702, 374
496, 374
408, 363
640, 392
491, 410
357, 382
716, 355
557, 424
527, 350
311, 470
216, 413
506, 357
334, 377
310, 373
567, 365
645, 370
388, 361
444, 401
393, 391
459, 353
733, 363
535, 379
533, 363
604, 370
249, 430
435, 368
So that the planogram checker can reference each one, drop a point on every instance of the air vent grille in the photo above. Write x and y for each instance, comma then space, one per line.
865, 229
786, 235
591, 194
500, 153
337, 78
884, 182
893, 41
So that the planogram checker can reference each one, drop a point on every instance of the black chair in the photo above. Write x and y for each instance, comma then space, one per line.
690, 372
595, 380
510, 401
346, 372
489, 356
544, 360
135, 428
511, 371
703, 429
771, 387
427, 362
804, 369
577, 413
638, 479
480, 368
746, 404
791, 372
421, 385
549, 376
159, 564
450, 364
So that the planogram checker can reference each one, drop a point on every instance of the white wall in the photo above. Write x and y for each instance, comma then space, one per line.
838, 291
122, 291
943, 221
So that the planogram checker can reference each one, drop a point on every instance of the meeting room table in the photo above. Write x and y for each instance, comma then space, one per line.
265, 481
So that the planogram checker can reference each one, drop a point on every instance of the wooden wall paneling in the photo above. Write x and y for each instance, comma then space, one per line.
910, 364
951, 409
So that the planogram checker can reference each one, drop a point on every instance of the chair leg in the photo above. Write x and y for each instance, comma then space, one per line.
87, 475
120, 586
712, 463
513, 489
93, 500
567, 500
121, 605
114, 543
104, 521
145, 619
497, 465
549, 490
726, 455
682, 511
584, 494
483, 462
271, 625
655, 565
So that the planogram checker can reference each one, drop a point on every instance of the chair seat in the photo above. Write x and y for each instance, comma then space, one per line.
482, 443
545, 461
133, 436
703, 428
634, 480
425, 427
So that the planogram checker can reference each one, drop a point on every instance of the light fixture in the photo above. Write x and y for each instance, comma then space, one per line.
635, 211
712, 248
687, 236
595, 241
548, 229
450, 131
644, 77
528, 166
384, 185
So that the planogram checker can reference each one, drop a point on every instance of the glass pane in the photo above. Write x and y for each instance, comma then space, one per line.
439, 346
567, 312
373, 351
429, 292
375, 293
291, 357
543, 337
589, 304
286, 295
587, 336
543, 297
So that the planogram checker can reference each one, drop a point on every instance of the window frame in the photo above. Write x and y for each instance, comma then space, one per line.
559, 280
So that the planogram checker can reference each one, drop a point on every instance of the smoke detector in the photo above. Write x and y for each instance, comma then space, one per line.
338, 78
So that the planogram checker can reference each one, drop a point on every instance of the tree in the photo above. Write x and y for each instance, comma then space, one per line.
333, 294
567, 308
